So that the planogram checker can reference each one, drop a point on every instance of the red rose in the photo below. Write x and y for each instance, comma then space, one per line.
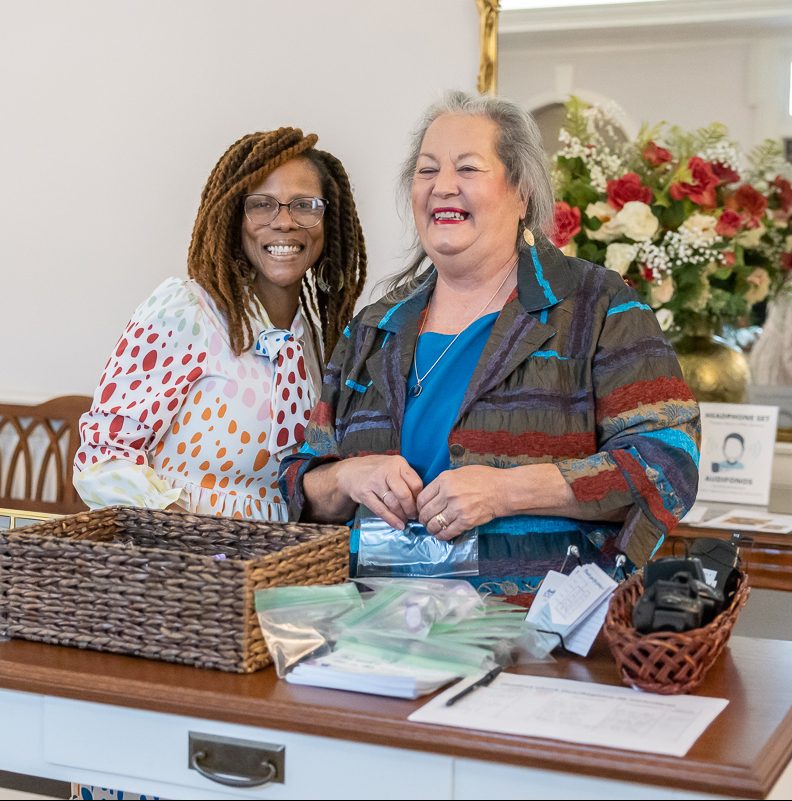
724, 173
701, 188
567, 223
750, 201
655, 155
627, 188
728, 223
784, 193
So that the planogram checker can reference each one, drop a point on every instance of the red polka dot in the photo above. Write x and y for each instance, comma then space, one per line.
286, 394
301, 368
173, 404
117, 370
201, 355
143, 415
283, 437
137, 444
132, 368
138, 332
299, 431
169, 392
107, 392
167, 361
135, 384
157, 425
150, 360
186, 358
134, 352
294, 408
167, 377
155, 407
289, 352
152, 338
194, 374
281, 416
121, 346
292, 378
116, 424
81, 457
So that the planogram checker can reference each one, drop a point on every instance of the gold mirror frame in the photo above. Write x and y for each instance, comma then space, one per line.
489, 10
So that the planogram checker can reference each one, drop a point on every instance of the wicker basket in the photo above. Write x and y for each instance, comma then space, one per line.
177, 587
666, 662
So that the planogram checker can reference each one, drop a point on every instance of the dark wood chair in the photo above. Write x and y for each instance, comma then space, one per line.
37, 447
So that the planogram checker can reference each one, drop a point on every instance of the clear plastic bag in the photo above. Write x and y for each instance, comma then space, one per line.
387, 551
299, 621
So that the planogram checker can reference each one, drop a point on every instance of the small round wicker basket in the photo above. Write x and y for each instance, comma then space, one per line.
666, 662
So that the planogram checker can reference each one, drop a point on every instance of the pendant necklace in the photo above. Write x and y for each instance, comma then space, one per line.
419, 379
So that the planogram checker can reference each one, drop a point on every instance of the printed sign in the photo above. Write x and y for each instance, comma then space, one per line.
737, 443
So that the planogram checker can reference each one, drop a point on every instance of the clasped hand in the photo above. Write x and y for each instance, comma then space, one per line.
456, 501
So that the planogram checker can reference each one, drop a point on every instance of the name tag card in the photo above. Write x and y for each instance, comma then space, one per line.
737, 443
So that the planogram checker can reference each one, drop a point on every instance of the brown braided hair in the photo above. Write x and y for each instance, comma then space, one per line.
218, 263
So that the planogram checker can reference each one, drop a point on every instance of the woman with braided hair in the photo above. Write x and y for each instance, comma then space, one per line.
213, 379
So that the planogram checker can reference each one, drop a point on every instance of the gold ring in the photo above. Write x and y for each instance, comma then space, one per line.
441, 521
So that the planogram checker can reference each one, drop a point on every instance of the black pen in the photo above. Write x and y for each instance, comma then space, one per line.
482, 682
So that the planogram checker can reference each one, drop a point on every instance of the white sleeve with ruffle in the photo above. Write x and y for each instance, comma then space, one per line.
160, 355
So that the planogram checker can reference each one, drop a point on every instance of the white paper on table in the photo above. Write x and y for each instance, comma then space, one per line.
578, 712
752, 520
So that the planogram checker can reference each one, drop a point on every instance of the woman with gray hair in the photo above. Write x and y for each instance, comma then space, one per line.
503, 387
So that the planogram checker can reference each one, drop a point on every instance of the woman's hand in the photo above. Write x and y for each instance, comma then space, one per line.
458, 500
387, 485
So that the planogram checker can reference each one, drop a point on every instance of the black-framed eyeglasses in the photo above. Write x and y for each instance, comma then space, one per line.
304, 211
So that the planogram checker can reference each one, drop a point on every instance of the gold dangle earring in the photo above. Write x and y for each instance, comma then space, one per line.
528, 237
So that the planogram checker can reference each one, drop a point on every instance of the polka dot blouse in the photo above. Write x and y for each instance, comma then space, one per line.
178, 417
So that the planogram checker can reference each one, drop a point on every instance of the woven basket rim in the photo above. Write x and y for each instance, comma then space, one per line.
616, 627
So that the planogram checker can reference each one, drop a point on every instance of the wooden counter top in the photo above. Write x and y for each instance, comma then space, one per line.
742, 753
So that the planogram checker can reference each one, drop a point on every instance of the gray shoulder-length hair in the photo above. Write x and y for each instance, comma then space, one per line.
519, 147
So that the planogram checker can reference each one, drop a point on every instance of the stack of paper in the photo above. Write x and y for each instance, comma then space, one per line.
573, 606
353, 669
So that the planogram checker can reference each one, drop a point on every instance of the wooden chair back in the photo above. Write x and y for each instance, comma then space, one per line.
37, 447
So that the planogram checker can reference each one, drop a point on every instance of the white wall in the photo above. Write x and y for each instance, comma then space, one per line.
114, 112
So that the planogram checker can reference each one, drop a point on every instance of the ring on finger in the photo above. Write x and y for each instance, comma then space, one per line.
441, 521
389, 492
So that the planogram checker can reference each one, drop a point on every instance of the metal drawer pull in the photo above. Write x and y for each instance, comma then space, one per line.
236, 763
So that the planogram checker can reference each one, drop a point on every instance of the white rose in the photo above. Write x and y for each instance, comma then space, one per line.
701, 227
619, 256
665, 317
606, 214
570, 249
751, 237
637, 221
661, 293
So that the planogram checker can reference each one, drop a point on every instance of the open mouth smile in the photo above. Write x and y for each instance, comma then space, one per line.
449, 216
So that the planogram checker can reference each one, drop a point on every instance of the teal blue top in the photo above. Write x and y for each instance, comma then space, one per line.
429, 418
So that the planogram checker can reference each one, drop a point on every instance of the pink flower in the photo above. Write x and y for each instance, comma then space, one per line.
701, 188
567, 223
655, 155
628, 187
728, 223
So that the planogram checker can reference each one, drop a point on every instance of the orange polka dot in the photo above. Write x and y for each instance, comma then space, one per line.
223, 482
204, 465
262, 457
208, 481
232, 427
206, 414
222, 410
245, 437
221, 453
158, 449
196, 437
213, 499
181, 448
249, 482
262, 491
176, 428
187, 416
226, 466
197, 398
262, 436
195, 451
180, 468
165, 461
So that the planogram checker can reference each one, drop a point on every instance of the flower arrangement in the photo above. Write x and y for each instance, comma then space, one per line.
701, 235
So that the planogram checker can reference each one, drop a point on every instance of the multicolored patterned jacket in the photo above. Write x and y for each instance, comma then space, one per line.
576, 372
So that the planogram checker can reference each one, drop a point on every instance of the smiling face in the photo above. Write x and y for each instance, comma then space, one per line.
281, 251
464, 207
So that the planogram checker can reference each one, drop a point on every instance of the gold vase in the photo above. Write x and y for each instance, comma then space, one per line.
715, 370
